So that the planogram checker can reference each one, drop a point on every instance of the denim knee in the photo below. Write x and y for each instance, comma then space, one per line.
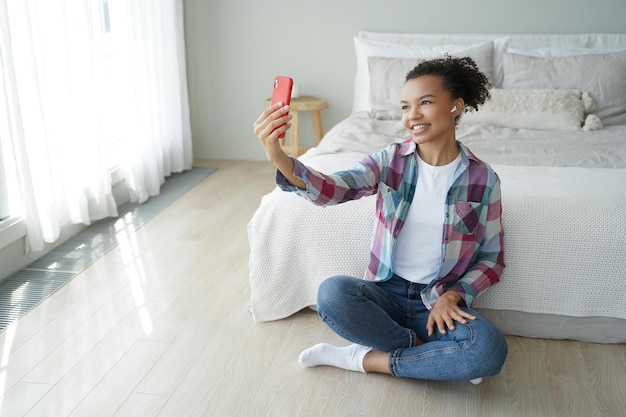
332, 290
474, 350
493, 350
499, 352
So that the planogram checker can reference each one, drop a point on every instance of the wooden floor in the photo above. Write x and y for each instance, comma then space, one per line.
160, 327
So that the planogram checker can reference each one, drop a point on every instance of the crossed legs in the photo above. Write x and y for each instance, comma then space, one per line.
386, 322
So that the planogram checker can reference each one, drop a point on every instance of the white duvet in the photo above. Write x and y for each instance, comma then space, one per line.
564, 204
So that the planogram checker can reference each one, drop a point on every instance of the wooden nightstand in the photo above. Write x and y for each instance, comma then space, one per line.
303, 103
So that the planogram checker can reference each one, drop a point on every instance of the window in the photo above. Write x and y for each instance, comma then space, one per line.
86, 92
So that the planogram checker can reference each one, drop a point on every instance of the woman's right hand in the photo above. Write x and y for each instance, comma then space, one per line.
272, 123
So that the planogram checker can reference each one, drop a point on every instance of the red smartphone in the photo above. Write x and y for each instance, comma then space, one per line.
282, 92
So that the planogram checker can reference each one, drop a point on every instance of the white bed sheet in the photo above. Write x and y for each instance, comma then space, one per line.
604, 148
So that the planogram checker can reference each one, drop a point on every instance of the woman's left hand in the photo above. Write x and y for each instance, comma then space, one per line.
445, 312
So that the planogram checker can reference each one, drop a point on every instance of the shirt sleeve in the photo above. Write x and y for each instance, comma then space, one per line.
329, 189
489, 265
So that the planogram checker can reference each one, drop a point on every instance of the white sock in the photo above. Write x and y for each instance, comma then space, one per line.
476, 381
347, 357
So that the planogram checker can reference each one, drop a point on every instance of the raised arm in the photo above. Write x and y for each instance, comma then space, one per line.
273, 122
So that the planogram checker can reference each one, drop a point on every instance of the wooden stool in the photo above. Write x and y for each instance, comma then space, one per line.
303, 103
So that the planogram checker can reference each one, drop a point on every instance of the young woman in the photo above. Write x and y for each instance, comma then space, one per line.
437, 244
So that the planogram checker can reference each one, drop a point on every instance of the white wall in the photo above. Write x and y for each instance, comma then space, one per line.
236, 47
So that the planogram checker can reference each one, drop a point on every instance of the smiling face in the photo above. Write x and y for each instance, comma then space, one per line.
427, 111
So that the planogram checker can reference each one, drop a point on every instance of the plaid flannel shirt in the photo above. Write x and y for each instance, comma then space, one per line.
472, 238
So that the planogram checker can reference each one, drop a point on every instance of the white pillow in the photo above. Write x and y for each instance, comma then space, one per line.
387, 77
602, 75
560, 52
365, 48
533, 109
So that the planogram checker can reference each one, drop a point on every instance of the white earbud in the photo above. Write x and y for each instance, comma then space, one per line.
453, 109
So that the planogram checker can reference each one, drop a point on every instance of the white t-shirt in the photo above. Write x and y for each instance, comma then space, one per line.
417, 255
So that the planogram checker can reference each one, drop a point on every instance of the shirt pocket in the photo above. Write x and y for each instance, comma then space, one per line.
467, 216
390, 200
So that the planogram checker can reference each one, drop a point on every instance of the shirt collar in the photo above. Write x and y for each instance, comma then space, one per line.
409, 147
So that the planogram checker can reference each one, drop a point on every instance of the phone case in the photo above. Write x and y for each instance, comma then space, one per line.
282, 92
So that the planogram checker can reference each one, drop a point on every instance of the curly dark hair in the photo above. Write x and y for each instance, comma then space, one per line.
460, 76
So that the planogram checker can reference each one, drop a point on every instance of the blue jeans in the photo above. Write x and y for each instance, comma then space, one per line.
390, 316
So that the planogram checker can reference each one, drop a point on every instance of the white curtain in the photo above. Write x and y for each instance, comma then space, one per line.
153, 111
67, 96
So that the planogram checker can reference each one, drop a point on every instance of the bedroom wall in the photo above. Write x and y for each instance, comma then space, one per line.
236, 47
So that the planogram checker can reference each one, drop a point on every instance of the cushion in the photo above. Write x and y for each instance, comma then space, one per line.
533, 109
602, 75
366, 48
387, 77
560, 52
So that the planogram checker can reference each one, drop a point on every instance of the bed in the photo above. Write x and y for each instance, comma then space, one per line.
554, 131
